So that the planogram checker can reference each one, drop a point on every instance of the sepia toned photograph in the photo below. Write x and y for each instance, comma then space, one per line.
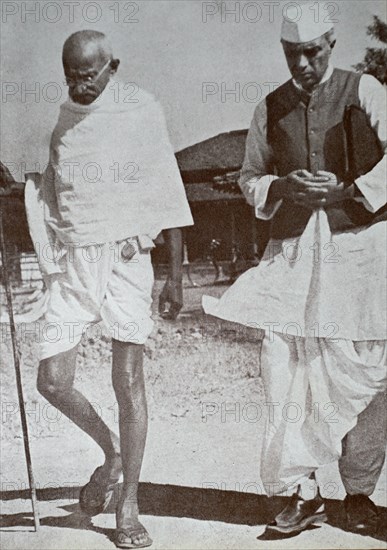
193, 274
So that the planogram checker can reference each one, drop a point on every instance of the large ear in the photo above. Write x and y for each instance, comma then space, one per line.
114, 65
331, 38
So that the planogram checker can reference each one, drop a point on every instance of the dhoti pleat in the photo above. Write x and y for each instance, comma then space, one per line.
315, 390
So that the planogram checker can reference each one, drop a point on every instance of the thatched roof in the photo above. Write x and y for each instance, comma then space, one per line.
213, 157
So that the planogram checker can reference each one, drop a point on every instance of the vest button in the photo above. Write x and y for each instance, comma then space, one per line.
311, 110
314, 154
311, 132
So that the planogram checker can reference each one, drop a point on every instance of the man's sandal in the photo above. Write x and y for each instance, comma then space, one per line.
299, 514
125, 537
95, 496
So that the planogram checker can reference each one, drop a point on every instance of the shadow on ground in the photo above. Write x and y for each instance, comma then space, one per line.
204, 504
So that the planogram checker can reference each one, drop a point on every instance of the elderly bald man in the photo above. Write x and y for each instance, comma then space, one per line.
112, 185
319, 292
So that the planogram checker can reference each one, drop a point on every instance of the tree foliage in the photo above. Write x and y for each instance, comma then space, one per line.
375, 59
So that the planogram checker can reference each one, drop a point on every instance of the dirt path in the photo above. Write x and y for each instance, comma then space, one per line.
199, 490
200, 484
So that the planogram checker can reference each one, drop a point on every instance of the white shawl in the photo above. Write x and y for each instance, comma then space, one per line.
112, 172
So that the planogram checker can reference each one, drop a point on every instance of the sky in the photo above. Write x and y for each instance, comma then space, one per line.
208, 62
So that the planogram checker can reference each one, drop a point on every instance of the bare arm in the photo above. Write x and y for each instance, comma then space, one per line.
172, 293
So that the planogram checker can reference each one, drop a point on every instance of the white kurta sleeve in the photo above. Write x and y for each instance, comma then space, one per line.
257, 170
372, 185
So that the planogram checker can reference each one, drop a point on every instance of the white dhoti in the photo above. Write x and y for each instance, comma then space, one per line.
98, 285
320, 298
315, 391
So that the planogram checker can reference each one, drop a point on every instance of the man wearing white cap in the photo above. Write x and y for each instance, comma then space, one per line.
319, 292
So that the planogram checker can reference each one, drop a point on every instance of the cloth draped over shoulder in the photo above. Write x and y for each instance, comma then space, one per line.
324, 281
112, 172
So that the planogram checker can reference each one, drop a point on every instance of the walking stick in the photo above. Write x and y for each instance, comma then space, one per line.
18, 375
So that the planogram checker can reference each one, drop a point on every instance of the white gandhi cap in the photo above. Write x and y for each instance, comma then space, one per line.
305, 22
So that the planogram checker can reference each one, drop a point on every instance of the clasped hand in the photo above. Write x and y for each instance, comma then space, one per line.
314, 191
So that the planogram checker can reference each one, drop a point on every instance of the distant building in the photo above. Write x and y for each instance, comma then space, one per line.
16, 235
210, 172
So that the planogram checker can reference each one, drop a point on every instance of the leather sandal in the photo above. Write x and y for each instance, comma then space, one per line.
95, 496
125, 536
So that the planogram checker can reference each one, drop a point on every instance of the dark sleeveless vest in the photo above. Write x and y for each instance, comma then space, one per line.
310, 135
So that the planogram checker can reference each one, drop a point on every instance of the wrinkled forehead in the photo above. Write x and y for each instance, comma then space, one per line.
301, 47
83, 56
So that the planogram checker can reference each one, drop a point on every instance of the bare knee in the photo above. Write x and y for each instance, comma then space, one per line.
49, 387
129, 387
53, 381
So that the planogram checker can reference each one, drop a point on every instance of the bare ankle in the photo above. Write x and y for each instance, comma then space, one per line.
127, 511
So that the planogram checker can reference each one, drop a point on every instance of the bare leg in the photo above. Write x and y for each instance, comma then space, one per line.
128, 383
56, 384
